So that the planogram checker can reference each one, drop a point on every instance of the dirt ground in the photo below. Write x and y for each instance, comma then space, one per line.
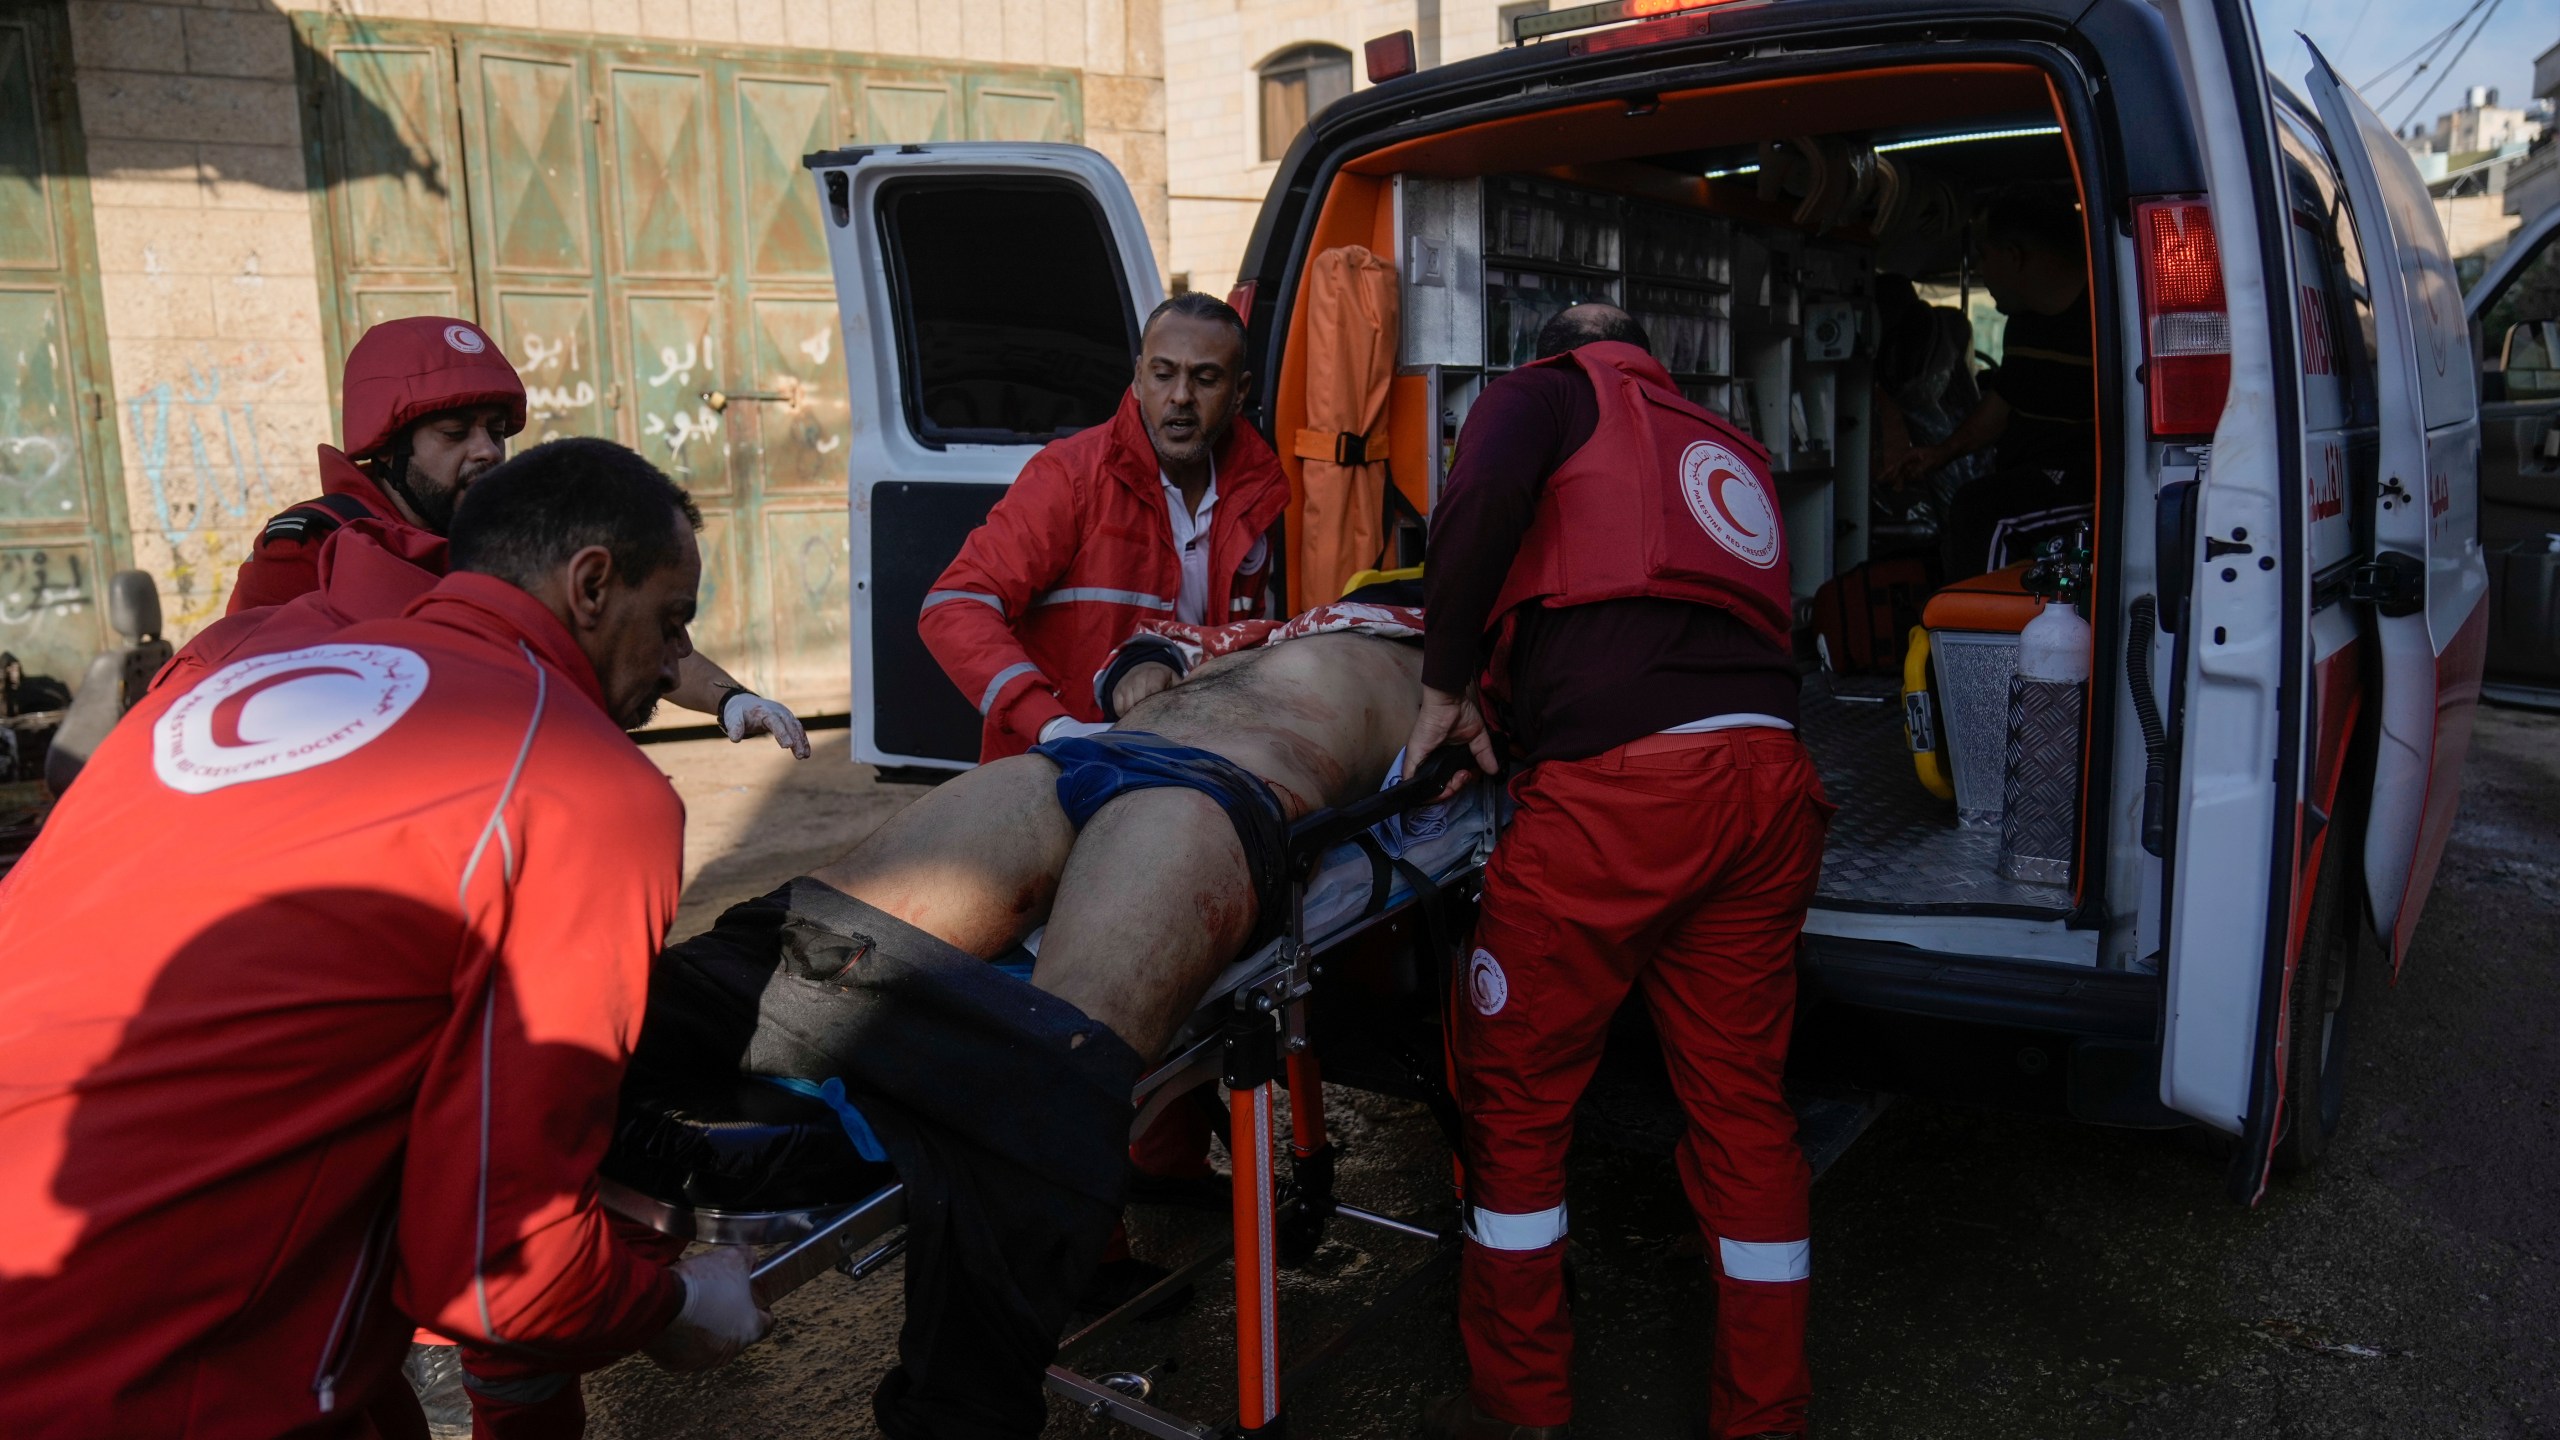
1976, 1274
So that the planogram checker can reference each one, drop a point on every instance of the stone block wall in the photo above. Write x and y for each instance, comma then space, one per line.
1213, 106
203, 218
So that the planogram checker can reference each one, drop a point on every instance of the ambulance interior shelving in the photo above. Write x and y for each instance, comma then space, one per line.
1800, 263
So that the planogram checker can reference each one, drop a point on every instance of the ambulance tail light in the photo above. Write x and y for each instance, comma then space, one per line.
1240, 300
2186, 321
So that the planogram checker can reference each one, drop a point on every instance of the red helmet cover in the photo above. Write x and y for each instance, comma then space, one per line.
403, 370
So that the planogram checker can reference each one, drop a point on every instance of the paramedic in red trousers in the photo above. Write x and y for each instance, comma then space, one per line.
427, 405
1161, 514
1609, 558
265, 1103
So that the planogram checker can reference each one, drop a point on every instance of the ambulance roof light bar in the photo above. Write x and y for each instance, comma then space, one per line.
1525, 28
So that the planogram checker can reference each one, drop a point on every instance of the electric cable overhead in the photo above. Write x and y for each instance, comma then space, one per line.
2347, 46
2485, 17
2429, 48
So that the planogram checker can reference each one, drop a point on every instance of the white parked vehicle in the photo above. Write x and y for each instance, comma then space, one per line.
2287, 587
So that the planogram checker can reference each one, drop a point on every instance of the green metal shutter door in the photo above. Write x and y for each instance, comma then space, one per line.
528, 132
386, 148
669, 287
793, 348
60, 527
639, 232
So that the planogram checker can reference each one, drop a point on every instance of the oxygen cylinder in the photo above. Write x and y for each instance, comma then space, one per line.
2040, 821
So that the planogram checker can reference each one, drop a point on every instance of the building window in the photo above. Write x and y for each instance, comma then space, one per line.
1295, 85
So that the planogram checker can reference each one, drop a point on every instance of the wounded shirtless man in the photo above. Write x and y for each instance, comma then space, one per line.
1152, 854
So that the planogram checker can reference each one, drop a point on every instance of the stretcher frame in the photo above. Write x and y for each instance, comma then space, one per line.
1250, 1032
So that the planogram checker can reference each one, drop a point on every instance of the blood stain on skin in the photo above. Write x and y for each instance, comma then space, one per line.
1033, 895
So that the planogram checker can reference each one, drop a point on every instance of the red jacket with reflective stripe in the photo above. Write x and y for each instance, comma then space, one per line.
284, 562
1077, 553
368, 570
315, 994
1665, 500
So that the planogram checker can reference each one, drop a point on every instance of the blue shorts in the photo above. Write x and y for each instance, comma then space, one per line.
1093, 770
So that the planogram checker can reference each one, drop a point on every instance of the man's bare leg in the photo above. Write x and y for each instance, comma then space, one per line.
1155, 900
975, 864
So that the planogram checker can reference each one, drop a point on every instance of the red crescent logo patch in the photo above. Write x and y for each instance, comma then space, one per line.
274, 715
1733, 505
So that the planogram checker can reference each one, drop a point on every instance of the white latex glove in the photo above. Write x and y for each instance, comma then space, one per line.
720, 1315
1066, 725
745, 713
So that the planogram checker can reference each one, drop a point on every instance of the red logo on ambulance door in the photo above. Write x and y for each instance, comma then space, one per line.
2329, 484
273, 715
1730, 504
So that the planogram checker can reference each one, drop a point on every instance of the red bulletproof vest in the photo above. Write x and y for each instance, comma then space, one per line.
1664, 500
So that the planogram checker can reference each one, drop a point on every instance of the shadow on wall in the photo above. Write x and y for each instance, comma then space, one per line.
197, 128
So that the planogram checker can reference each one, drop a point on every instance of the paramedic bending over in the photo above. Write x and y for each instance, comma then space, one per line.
1667, 839
267, 1100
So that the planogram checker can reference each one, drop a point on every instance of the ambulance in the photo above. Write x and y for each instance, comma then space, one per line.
2281, 573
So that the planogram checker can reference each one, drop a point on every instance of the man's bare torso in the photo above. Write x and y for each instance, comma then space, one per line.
1154, 896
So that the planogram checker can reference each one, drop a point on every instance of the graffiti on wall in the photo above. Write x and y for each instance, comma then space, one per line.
207, 477
40, 583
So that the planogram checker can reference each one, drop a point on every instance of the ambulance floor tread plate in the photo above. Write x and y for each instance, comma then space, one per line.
1894, 847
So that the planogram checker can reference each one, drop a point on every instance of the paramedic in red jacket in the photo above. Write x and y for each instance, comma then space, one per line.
427, 405
1161, 514
1611, 559
264, 1101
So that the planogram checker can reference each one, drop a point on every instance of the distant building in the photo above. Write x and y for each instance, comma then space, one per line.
2533, 183
2469, 157
1242, 77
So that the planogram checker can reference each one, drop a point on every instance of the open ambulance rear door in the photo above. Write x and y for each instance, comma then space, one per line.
2425, 578
991, 294
2234, 869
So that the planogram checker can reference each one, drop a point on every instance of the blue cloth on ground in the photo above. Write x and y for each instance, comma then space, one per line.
831, 1094
1093, 770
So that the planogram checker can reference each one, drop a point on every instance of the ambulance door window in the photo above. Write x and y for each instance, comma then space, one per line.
2519, 339
1015, 322
2339, 446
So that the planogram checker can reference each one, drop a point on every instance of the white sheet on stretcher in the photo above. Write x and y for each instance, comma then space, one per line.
1441, 841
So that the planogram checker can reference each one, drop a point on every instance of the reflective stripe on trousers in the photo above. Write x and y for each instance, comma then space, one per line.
1681, 874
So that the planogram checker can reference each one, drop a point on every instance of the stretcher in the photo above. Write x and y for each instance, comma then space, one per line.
1396, 858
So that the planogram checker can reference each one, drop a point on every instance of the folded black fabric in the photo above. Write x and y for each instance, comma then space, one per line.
1004, 1109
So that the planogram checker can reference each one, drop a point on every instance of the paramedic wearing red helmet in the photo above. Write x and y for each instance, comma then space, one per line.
427, 404
263, 1101
1609, 558
1160, 514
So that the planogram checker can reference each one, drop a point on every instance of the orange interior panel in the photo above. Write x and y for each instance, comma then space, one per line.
1358, 211
1997, 603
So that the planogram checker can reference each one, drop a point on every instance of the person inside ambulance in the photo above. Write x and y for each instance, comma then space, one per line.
266, 1104
2039, 409
1666, 838
427, 406
1162, 514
